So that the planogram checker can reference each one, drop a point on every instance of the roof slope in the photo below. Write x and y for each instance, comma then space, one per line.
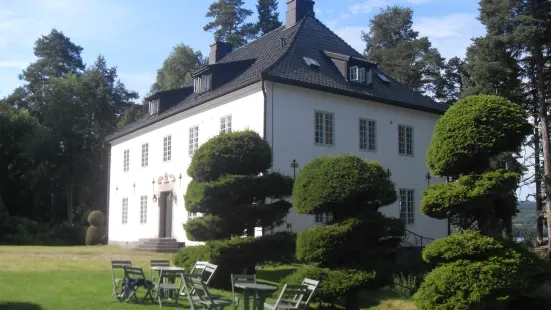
278, 56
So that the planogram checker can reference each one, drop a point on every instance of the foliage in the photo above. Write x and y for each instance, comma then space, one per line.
238, 255
451, 83
406, 285
227, 25
360, 242
476, 271
96, 218
232, 187
268, 20
133, 113
177, 68
343, 185
3, 212
392, 43
489, 125
18, 230
95, 234
334, 283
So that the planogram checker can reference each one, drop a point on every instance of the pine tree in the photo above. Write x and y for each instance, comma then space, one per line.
268, 16
227, 25
450, 84
177, 68
399, 51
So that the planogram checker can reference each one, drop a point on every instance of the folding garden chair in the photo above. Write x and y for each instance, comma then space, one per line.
117, 273
169, 281
157, 263
298, 293
311, 286
204, 298
134, 278
240, 278
205, 269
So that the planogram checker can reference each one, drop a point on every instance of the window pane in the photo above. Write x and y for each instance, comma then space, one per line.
329, 129
319, 128
371, 130
363, 134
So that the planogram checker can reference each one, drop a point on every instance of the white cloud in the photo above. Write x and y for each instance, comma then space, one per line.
368, 6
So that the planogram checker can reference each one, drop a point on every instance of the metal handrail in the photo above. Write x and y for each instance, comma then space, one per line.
418, 240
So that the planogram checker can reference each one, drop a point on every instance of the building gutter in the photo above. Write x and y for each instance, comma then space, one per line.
107, 194
264, 134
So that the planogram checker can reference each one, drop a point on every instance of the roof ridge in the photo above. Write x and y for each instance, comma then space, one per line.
300, 24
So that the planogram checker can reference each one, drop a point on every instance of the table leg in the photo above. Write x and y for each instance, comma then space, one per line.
246, 299
261, 299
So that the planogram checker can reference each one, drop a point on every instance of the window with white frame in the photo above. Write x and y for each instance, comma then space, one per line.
167, 149
154, 107
145, 154
367, 135
143, 209
225, 124
202, 83
322, 218
405, 140
193, 140
357, 74
324, 128
191, 216
124, 211
126, 160
407, 210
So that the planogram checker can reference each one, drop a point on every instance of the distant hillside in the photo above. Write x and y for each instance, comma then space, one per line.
525, 220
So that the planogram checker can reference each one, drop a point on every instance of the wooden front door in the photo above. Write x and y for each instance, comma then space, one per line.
165, 215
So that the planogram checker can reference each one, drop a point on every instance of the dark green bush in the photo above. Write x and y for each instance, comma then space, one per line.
20, 230
477, 272
84, 217
334, 283
237, 153
3, 211
211, 227
94, 235
343, 184
69, 235
489, 125
239, 255
96, 218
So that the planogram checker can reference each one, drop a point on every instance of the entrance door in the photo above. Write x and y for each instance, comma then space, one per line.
165, 215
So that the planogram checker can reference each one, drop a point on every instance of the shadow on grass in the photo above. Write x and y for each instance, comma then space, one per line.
19, 306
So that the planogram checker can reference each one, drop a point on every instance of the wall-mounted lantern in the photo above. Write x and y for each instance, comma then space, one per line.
180, 177
154, 198
294, 165
428, 177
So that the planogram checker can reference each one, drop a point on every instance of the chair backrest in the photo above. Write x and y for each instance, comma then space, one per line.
240, 278
199, 267
133, 272
299, 292
311, 286
119, 264
209, 269
159, 263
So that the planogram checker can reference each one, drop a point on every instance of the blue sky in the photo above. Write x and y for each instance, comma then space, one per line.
137, 35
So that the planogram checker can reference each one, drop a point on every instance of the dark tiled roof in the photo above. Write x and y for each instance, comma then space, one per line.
278, 56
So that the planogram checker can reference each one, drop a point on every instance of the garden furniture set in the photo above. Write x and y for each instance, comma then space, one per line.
169, 283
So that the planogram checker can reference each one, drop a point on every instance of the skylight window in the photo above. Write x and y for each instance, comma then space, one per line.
202, 83
383, 77
311, 62
153, 107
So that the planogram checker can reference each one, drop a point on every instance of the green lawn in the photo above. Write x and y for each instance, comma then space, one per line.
35, 278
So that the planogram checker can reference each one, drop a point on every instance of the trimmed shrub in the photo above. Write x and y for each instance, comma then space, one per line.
489, 125
334, 283
477, 272
69, 235
94, 235
276, 249
3, 211
237, 153
96, 218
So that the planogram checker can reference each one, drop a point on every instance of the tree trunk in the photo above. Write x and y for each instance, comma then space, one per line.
544, 129
537, 169
69, 198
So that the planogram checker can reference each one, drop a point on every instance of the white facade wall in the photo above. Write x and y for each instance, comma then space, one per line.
246, 107
291, 132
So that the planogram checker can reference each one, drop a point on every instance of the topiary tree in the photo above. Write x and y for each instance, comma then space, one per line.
473, 271
97, 229
470, 135
232, 187
360, 241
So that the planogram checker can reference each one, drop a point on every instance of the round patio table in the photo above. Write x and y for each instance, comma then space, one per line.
171, 268
262, 291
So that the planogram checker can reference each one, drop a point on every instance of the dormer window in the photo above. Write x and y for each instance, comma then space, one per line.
202, 83
357, 74
154, 107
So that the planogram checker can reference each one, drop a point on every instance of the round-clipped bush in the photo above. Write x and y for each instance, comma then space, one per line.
334, 283
96, 218
210, 227
240, 153
94, 235
343, 184
474, 130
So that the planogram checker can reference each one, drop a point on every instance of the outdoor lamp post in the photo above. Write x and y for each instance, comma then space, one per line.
294, 165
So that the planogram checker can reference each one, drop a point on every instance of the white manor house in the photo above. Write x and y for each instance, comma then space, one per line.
302, 88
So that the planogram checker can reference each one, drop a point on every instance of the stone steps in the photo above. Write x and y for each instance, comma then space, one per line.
164, 245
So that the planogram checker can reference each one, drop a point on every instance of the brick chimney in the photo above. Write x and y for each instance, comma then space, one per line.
218, 50
297, 9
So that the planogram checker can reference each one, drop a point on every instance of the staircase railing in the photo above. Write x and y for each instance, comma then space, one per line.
412, 239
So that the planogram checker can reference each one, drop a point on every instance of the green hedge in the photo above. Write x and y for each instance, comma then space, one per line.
18, 230
239, 255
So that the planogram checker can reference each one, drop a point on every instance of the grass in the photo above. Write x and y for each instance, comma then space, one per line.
44, 278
